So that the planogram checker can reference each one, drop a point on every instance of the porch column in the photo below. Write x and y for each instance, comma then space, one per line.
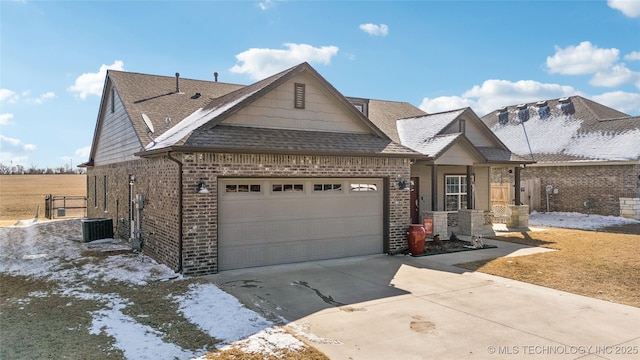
469, 187
517, 185
434, 187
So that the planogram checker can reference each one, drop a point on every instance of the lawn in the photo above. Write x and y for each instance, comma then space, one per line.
601, 265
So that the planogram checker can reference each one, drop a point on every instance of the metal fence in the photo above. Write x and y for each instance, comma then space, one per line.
60, 206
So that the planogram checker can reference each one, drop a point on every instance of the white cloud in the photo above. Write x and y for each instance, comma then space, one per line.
5, 119
630, 8
261, 63
375, 30
91, 83
267, 4
445, 103
617, 75
634, 55
83, 152
16, 143
44, 97
582, 59
494, 93
623, 101
7, 95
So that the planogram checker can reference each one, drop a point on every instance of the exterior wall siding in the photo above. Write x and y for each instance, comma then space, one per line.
117, 140
276, 110
594, 189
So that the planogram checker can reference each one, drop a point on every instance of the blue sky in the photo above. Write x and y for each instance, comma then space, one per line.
438, 55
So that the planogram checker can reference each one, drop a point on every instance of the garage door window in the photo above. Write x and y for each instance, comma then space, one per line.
287, 188
364, 187
327, 187
243, 188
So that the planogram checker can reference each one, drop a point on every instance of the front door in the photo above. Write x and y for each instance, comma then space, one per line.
415, 200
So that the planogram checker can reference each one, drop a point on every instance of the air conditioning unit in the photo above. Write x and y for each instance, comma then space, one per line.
96, 229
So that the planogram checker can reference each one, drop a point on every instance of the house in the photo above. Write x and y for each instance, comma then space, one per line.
461, 150
205, 176
586, 154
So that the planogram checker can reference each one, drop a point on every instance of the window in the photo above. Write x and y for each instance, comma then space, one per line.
364, 187
544, 112
456, 192
280, 188
113, 100
243, 188
104, 197
327, 187
461, 125
299, 96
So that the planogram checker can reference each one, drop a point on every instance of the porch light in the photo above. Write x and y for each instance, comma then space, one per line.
403, 184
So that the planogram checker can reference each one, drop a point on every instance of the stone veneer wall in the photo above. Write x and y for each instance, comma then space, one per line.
630, 208
440, 223
470, 222
157, 179
601, 185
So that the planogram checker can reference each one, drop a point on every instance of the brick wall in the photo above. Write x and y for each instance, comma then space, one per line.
157, 180
599, 187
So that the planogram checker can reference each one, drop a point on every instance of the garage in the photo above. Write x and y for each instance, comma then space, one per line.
287, 220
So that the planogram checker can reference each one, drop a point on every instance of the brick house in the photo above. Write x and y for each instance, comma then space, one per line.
587, 155
205, 176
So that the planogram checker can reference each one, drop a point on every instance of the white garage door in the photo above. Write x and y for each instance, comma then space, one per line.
278, 221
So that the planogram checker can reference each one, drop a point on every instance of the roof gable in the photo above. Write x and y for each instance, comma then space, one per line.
216, 111
568, 130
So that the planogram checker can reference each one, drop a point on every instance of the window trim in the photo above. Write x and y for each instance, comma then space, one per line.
459, 194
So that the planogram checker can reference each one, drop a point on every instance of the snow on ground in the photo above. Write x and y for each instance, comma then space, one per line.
573, 220
43, 250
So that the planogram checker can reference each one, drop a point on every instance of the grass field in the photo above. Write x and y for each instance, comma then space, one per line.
21, 194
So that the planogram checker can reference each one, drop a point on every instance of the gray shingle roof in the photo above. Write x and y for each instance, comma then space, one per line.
241, 138
584, 131
156, 96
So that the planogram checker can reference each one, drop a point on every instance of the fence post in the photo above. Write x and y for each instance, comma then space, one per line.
47, 206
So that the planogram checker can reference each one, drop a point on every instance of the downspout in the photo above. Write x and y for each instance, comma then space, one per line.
180, 210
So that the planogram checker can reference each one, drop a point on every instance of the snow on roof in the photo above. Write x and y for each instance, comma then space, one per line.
624, 146
548, 136
415, 132
187, 125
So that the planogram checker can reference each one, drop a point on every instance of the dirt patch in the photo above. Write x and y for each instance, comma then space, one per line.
602, 265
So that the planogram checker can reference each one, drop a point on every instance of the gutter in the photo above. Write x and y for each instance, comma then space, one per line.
180, 243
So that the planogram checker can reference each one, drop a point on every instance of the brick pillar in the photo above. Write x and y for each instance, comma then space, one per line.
440, 226
470, 222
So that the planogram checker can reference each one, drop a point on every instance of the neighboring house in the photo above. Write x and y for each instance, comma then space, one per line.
587, 156
206, 176
461, 151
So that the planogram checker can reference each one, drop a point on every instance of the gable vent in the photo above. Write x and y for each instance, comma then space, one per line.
523, 113
299, 96
503, 116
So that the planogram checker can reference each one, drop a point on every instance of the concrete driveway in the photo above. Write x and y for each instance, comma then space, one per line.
401, 307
